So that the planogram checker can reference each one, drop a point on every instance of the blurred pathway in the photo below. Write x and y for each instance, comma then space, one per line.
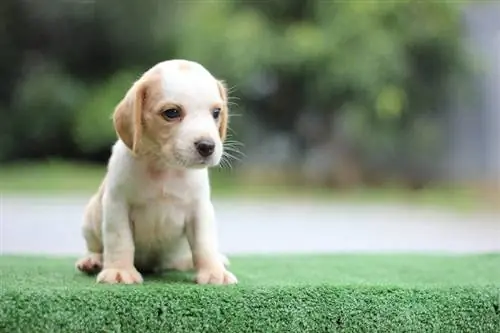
50, 225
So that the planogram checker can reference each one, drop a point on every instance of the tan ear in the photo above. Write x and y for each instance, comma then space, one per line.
224, 116
127, 117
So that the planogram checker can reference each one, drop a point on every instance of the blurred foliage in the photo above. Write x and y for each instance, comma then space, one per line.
380, 68
93, 126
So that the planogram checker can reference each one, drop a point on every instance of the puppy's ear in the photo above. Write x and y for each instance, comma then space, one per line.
224, 116
127, 117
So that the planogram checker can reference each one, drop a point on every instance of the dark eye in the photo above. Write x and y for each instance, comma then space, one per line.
171, 114
216, 113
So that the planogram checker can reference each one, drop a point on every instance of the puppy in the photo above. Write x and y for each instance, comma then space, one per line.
153, 210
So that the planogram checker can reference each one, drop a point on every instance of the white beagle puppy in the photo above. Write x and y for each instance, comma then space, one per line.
153, 210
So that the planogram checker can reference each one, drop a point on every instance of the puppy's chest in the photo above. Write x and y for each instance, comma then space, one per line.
159, 212
158, 221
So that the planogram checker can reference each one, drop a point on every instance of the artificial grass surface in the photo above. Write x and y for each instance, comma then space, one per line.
307, 293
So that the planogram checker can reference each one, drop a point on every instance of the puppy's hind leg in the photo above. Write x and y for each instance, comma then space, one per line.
91, 262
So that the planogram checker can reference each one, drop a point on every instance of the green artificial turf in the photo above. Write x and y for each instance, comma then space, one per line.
306, 293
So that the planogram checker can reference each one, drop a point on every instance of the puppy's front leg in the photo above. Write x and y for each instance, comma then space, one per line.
202, 237
118, 243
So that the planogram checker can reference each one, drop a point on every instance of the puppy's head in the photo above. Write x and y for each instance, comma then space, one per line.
176, 114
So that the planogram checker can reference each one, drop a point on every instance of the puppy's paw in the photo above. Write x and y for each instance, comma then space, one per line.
90, 264
215, 275
119, 275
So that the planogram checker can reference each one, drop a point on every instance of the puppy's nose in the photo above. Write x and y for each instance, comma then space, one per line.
205, 147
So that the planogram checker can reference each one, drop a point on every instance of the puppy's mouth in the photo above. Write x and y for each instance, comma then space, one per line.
195, 161
204, 162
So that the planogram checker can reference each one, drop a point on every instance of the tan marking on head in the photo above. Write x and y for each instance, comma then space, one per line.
128, 117
142, 126
224, 116
184, 65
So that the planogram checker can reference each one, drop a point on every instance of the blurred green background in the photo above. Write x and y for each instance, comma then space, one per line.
328, 95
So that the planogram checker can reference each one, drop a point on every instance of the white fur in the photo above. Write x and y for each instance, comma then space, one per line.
153, 210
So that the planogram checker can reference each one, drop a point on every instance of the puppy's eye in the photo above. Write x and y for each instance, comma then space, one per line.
171, 114
216, 113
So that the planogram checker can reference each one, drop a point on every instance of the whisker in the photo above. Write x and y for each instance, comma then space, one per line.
234, 151
233, 143
233, 146
230, 132
231, 140
236, 148
229, 165
232, 157
236, 154
221, 164
231, 89
225, 163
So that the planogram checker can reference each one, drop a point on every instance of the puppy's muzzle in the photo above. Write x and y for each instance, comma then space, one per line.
205, 147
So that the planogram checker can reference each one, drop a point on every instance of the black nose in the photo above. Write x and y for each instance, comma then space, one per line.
205, 147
